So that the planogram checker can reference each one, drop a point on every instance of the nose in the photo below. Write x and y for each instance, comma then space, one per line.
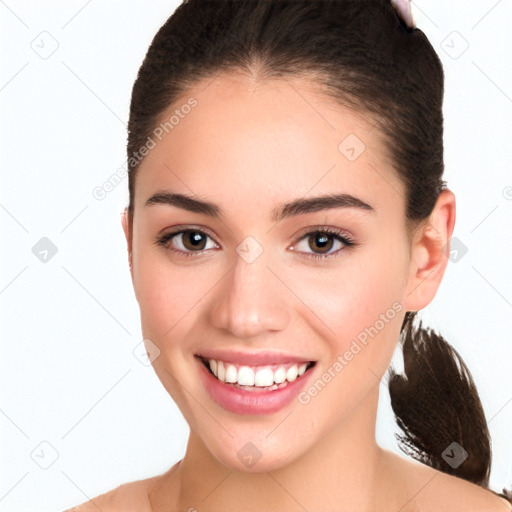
251, 301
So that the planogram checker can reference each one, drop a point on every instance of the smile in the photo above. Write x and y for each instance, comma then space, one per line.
250, 377
244, 388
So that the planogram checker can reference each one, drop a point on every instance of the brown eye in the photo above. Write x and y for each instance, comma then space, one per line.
187, 242
193, 240
321, 241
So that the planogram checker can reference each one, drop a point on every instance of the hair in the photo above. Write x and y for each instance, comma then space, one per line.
365, 58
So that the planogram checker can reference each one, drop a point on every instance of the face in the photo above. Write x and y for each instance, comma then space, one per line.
307, 300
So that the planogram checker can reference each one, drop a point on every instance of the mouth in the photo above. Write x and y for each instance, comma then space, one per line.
254, 378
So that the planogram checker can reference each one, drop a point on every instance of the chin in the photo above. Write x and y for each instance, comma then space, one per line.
253, 458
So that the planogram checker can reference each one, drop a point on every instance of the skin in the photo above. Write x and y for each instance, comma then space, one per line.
248, 147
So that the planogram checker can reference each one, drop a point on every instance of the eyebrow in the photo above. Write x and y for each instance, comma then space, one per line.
289, 209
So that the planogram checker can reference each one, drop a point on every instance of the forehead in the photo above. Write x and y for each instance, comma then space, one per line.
251, 143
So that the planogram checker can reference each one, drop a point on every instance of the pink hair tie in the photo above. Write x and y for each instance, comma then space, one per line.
404, 10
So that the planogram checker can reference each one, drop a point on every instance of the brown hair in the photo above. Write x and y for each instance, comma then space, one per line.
365, 58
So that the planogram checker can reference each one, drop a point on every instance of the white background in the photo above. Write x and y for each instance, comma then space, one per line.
69, 326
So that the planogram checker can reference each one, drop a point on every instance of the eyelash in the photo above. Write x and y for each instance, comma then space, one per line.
338, 234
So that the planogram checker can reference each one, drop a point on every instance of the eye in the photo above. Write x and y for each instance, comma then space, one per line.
187, 241
322, 241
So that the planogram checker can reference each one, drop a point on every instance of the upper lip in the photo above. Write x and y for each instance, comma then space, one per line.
252, 358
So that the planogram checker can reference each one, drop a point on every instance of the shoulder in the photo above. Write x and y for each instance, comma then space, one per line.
429, 489
468, 495
128, 497
136, 496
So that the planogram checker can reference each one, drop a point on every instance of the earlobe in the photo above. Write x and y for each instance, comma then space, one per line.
429, 253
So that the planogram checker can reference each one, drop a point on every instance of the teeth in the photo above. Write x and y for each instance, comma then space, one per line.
246, 376
280, 375
264, 377
230, 373
221, 373
291, 373
256, 376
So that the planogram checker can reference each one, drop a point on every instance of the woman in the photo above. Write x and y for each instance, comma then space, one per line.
287, 218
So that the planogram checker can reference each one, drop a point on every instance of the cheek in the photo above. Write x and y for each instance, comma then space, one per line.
168, 293
355, 296
361, 305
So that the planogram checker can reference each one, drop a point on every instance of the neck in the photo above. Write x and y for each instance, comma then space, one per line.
340, 472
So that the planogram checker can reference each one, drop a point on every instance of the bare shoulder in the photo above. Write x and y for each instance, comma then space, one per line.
429, 489
128, 497
464, 495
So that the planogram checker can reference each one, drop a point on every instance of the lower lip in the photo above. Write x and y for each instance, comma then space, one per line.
242, 401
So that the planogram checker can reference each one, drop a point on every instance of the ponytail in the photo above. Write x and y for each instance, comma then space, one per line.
436, 403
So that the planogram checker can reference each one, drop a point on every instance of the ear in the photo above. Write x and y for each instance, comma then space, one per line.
429, 253
125, 222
